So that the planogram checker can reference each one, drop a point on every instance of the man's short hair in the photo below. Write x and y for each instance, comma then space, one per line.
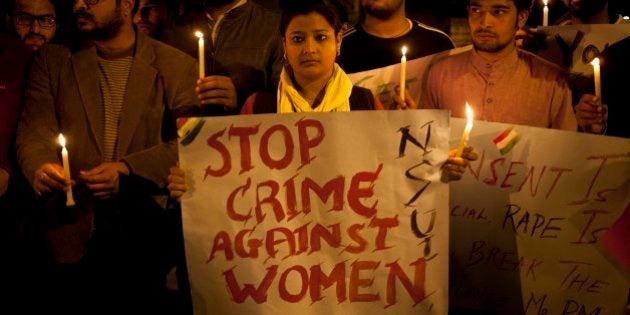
522, 4
11, 5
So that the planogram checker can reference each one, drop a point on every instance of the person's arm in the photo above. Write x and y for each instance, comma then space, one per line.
152, 164
38, 126
4, 181
11, 101
8, 116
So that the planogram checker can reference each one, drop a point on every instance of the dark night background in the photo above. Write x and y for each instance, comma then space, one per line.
447, 15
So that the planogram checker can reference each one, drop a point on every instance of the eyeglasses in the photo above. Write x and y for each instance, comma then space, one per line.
25, 19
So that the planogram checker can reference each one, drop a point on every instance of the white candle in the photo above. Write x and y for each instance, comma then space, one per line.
545, 14
403, 73
598, 82
469, 125
597, 128
202, 62
66, 170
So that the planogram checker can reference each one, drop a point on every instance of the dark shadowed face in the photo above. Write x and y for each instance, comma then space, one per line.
586, 8
34, 21
151, 17
381, 8
99, 21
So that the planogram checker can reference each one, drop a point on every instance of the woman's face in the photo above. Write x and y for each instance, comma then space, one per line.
311, 46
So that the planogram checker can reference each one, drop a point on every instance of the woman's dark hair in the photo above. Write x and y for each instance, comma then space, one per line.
330, 10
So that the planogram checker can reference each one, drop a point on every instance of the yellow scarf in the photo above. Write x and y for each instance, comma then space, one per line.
336, 98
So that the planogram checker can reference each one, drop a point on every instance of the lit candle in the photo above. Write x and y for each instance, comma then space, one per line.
403, 73
469, 125
598, 82
202, 62
545, 14
597, 128
66, 170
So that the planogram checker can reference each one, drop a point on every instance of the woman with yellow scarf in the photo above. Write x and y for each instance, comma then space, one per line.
311, 81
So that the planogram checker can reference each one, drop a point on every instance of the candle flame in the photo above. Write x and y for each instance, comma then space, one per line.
595, 62
545, 2
199, 34
404, 50
62, 140
469, 113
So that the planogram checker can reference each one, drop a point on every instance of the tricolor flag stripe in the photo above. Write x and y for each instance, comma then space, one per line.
185, 125
189, 128
502, 136
506, 140
510, 145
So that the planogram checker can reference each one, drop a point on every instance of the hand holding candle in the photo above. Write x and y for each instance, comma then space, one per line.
545, 14
66, 170
403, 73
469, 125
202, 63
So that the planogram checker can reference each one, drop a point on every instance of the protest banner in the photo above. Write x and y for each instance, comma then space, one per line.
329, 213
573, 47
543, 255
528, 218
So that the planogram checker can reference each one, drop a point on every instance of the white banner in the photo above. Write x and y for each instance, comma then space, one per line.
573, 47
527, 228
527, 225
335, 213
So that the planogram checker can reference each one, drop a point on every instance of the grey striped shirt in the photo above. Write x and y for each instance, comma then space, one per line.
113, 75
